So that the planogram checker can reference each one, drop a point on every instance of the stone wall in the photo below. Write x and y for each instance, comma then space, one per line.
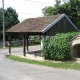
75, 47
16, 43
13, 43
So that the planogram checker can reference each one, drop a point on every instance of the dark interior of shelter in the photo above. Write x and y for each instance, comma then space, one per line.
76, 51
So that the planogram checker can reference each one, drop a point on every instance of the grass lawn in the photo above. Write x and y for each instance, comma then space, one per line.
64, 65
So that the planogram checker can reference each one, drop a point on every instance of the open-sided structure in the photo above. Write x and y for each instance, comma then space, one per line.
46, 26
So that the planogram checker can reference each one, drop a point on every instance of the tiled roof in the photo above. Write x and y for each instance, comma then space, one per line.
34, 24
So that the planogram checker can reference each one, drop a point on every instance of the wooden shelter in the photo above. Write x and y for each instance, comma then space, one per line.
47, 26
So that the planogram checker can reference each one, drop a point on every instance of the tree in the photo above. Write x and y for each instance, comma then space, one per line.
11, 18
65, 8
75, 12
48, 11
70, 7
52, 10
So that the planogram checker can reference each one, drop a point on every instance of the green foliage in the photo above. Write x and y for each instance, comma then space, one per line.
63, 65
52, 10
36, 41
48, 11
45, 49
71, 8
16, 45
10, 19
58, 47
75, 14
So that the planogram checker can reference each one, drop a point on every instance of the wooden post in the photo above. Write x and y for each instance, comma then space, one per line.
9, 44
41, 44
24, 45
27, 43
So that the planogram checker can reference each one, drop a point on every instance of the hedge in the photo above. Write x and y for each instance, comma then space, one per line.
58, 47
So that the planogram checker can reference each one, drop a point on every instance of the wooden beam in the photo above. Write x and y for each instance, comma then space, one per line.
41, 41
27, 43
24, 45
9, 44
41, 46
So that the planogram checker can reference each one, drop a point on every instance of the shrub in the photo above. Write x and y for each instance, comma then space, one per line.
45, 48
36, 41
16, 45
58, 47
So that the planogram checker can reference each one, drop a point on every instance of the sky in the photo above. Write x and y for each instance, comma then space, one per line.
27, 8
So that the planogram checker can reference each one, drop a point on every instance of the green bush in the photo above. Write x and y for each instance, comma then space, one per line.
58, 47
16, 45
36, 41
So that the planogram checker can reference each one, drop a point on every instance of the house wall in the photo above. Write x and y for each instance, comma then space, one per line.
62, 26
